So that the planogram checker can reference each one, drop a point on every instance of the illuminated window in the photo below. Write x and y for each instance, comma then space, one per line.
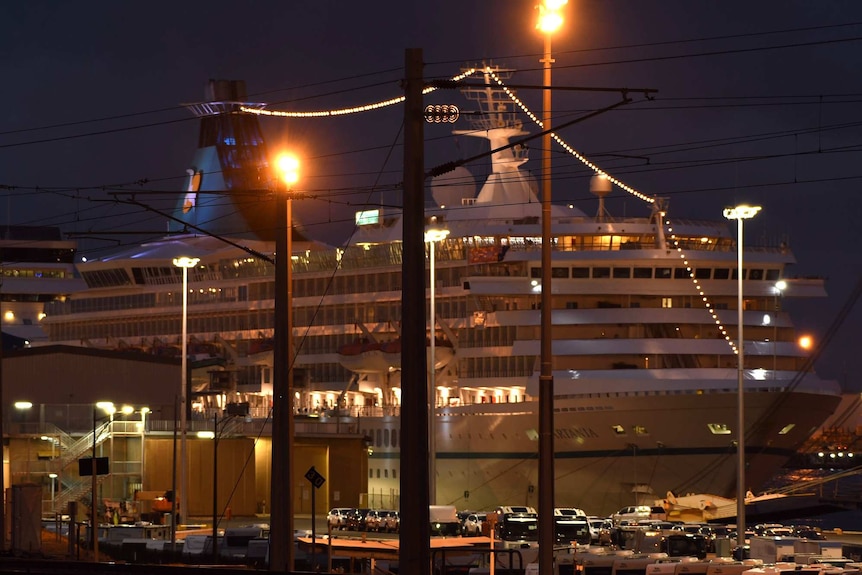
640, 430
786, 429
718, 428
618, 429
666, 302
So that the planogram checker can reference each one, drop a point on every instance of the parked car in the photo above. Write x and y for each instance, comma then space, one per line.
373, 520
391, 521
712, 532
807, 532
637, 512
337, 517
356, 519
601, 530
473, 523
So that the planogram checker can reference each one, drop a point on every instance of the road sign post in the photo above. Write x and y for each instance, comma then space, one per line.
316, 480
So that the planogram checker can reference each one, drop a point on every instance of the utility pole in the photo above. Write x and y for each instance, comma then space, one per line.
2, 435
415, 532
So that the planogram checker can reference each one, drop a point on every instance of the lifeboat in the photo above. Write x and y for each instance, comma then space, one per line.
364, 356
260, 345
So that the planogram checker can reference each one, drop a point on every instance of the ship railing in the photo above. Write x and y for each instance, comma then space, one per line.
253, 427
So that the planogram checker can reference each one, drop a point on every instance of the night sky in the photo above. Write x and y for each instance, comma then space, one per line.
757, 102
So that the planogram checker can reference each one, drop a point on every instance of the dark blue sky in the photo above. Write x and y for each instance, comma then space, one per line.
758, 101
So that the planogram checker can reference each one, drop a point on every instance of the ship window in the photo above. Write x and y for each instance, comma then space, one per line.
721, 273
681, 273
571, 305
702, 273
662, 273
755, 274
619, 429
622, 272
718, 428
535, 272
734, 275
772, 275
786, 429
394, 439
643, 273
640, 430
560, 272
385, 438
601, 272
580, 272
667, 302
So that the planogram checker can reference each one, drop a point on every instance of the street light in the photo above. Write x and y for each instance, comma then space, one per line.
281, 520
432, 236
232, 411
214, 436
52, 477
109, 409
740, 213
181, 495
550, 20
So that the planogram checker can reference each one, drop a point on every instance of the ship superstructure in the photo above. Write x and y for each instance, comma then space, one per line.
645, 379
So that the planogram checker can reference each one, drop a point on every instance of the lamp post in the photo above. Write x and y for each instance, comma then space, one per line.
181, 494
52, 477
108, 408
740, 213
214, 436
550, 20
282, 489
432, 236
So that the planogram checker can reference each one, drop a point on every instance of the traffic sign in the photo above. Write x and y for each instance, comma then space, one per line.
314, 477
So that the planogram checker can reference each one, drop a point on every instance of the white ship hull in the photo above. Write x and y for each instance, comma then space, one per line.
489, 454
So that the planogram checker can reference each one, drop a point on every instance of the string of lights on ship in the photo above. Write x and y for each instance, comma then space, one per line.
598, 171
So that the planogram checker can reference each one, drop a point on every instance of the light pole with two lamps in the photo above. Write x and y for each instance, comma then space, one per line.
550, 20
740, 213
282, 489
432, 236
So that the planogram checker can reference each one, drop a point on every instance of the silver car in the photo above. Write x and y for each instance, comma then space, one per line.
337, 517
390, 521
473, 523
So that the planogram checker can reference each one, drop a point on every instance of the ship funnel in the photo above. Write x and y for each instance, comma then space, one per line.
601, 186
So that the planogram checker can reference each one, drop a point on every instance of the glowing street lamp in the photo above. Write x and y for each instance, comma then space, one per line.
181, 495
281, 523
432, 236
740, 213
550, 20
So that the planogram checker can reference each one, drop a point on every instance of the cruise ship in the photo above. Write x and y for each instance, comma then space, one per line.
644, 322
